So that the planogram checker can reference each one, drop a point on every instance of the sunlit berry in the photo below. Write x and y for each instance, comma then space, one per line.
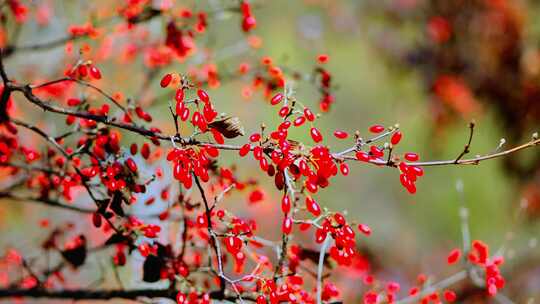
362, 156
376, 129
244, 150
411, 156
284, 111
286, 227
312, 206
299, 121
364, 229
179, 95
203, 96
316, 135
286, 204
255, 137
130, 163
94, 72
344, 168
308, 114
341, 134
396, 137
276, 99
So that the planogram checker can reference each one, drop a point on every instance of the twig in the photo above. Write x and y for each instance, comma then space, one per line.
440, 285
214, 241
468, 145
470, 161
83, 83
43, 201
97, 294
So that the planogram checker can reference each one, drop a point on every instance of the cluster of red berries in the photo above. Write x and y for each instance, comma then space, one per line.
479, 255
193, 298
291, 291
83, 30
344, 247
325, 79
180, 41
84, 70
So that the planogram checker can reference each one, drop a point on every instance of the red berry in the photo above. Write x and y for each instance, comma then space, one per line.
299, 121
341, 134
454, 256
133, 149
145, 151
276, 99
95, 72
285, 204
255, 137
261, 299
184, 111
411, 156
322, 58
181, 298
179, 96
418, 171
130, 163
165, 81
73, 102
203, 96
96, 219
233, 244
309, 115
287, 225
364, 229
376, 151
396, 137
83, 71
283, 111
376, 129
362, 156
312, 206
244, 150
344, 168
450, 296
248, 23
316, 135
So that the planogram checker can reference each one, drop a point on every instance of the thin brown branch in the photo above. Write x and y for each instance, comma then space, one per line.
12, 49
466, 149
83, 83
214, 241
84, 294
6, 91
470, 161
3, 74
27, 91
43, 201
